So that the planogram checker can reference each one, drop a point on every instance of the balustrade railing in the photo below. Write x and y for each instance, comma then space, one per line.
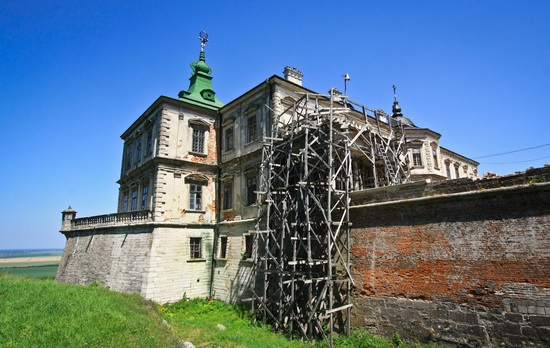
113, 219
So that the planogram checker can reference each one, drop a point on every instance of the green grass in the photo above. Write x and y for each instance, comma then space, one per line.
43, 271
43, 313
197, 320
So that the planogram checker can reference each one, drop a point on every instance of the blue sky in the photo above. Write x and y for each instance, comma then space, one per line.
75, 74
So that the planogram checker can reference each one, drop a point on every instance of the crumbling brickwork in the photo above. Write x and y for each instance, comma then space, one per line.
454, 265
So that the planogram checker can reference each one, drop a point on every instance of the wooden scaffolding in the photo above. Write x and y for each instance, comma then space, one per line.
319, 150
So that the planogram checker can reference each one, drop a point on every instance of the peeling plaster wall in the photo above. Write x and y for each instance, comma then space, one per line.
233, 275
172, 273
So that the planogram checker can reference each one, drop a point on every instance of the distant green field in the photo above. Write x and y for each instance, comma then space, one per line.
44, 271
10, 254
28, 264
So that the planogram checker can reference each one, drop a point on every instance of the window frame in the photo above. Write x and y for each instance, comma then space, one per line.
222, 252
194, 189
435, 157
138, 151
251, 128
198, 139
125, 200
227, 195
416, 154
144, 196
229, 141
129, 155
251, 196
134, 196
149, 143
248, 246
195, 248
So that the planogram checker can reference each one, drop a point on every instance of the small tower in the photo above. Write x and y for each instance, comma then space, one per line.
67, 216
200, 90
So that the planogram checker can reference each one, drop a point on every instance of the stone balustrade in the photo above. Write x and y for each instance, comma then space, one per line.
115, 219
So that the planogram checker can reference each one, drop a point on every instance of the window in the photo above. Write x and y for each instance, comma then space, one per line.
250, 188
248, 242
251, 131
435, 159
417, 157
134, 199
229, 144
195, 196
195, 249
198, 140
448, 167
457, 172
227, 195
138, 151
144, 192
128, 156
125, 201
223, 247
149, 145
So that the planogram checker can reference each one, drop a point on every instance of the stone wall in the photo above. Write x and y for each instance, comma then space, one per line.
462, 262
118, 260
150, 259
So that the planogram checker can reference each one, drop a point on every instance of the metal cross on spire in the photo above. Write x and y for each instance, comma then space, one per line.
203, 36
394, 95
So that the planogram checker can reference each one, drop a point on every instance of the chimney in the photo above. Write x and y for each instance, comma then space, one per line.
293, 75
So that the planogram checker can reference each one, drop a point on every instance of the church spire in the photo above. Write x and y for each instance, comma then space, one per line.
200, 90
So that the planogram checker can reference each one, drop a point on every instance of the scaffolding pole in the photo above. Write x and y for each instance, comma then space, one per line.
301, 251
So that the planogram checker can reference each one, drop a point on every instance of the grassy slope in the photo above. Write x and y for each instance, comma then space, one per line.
42, 313
197, 321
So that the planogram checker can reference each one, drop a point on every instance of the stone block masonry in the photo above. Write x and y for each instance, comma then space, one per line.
465, 262
118, 260
150, 259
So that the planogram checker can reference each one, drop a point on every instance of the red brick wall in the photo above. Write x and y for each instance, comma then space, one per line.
486, 251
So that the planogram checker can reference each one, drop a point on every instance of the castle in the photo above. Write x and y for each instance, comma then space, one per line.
250, 202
